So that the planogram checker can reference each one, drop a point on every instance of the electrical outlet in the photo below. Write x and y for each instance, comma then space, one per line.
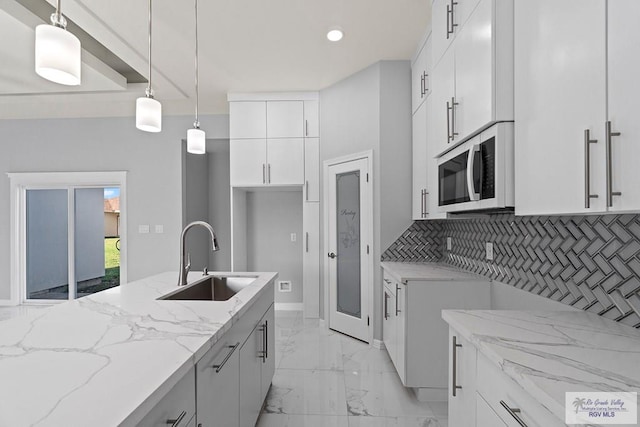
159, 229
489, 247
449, 243
284, 286
143, 229
294, 237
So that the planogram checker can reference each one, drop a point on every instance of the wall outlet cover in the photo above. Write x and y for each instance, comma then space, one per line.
284, 286
489, 251
143, 229
449, 243
294, 237
159, 229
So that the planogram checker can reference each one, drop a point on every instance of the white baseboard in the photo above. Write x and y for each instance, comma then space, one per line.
431, 394
379, 344
289, 306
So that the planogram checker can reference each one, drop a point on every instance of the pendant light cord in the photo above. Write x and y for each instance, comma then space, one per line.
149, 90
197, 123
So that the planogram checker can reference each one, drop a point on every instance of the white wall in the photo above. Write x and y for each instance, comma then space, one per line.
153, 162
371, 110
271, 218
196, 208
220, 202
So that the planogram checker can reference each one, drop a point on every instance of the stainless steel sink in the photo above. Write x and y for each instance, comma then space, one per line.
211, 288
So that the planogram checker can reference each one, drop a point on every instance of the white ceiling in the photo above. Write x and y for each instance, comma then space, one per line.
245, 46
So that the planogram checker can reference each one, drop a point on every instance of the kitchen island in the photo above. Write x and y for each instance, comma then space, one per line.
110, 358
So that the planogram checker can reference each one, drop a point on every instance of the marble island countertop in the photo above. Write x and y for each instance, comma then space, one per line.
108, 358
427, 271
550, 353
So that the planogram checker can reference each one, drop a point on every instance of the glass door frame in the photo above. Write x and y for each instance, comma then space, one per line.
70, 181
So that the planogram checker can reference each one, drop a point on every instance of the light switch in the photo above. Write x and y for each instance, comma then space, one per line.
448, 243
293, 237
159, 229
489, 247
143, 229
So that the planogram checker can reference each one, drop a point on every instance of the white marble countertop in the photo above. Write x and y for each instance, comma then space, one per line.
106, 359
408, 271
550, 353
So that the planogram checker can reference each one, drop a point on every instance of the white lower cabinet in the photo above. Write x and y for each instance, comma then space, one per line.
481, 395
177, 407
218, 385
414, 332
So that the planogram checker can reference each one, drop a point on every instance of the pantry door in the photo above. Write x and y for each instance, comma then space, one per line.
349, 219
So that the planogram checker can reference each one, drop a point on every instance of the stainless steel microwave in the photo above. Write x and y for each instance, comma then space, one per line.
478, 175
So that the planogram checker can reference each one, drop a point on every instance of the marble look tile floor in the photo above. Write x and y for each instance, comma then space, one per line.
326, 379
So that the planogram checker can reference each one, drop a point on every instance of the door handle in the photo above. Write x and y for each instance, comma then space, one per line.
471, 187
610, 193
332, 255
587, 169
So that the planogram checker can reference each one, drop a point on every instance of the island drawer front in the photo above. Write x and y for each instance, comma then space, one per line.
495, 386
178, 404
248, 321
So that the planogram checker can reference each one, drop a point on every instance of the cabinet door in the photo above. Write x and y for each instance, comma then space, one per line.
250, 379
312, 169
389, 322
462, 372
624, 101
443, 92
247, 119
474, 71
560, 80
248, 160
311, 259
285, 161
485, 416
419, 158
178, 403
268, 368
432, 167
401, 331
419, 86
311, 119
441, 25
285, 119
218, 387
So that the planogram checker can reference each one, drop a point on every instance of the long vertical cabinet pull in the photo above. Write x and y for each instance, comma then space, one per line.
610, 192
449, 137
397, 298
454, 367
422, 86
306, 190
587, 169
306, 234
264, 173
386, 305
453, 118
269, 173
265, 341
450, 21
424, 80
306, 128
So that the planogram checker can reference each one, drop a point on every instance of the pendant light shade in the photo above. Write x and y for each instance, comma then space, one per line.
57, 52
196, 138
149, 110
196, 141
148, 114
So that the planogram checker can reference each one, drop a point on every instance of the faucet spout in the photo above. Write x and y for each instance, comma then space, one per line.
185, 264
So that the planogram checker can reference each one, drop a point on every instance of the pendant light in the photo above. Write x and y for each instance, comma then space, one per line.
149, 110
57, 51
196, 139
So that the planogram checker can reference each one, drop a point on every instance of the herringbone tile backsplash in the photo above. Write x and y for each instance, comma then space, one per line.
589, 262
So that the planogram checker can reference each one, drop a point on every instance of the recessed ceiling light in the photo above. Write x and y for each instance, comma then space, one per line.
335, 34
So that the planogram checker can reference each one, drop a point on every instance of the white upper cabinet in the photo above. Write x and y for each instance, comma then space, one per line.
473, 81
448, 18
311, 119
248, 162
420, 76
248, 119
285, 119
624, 102
420, 164
560, 92
285, 161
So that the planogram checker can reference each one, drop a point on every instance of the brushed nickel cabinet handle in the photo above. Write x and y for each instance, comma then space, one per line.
306, 192
175, 422
232, 348
449, 13
397, 298
587, 169
610, 193
306, 234
306, 128
514, 412
264, 173
386, 305
454, 368
453, 118
424, 79
449, 137
422, 86
269, 173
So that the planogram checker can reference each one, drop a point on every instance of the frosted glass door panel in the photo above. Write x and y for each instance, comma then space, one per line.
47, 275
348, 230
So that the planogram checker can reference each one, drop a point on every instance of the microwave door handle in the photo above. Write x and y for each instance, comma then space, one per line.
473, 195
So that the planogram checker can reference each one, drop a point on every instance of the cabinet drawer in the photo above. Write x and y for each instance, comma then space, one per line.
498, 390
178, 404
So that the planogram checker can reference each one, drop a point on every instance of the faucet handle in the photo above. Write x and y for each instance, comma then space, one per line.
187, 268
205, 272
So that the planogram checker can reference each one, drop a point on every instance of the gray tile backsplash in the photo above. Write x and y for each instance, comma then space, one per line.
589, 262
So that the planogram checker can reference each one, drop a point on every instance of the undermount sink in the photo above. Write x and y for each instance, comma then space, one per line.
210, 288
